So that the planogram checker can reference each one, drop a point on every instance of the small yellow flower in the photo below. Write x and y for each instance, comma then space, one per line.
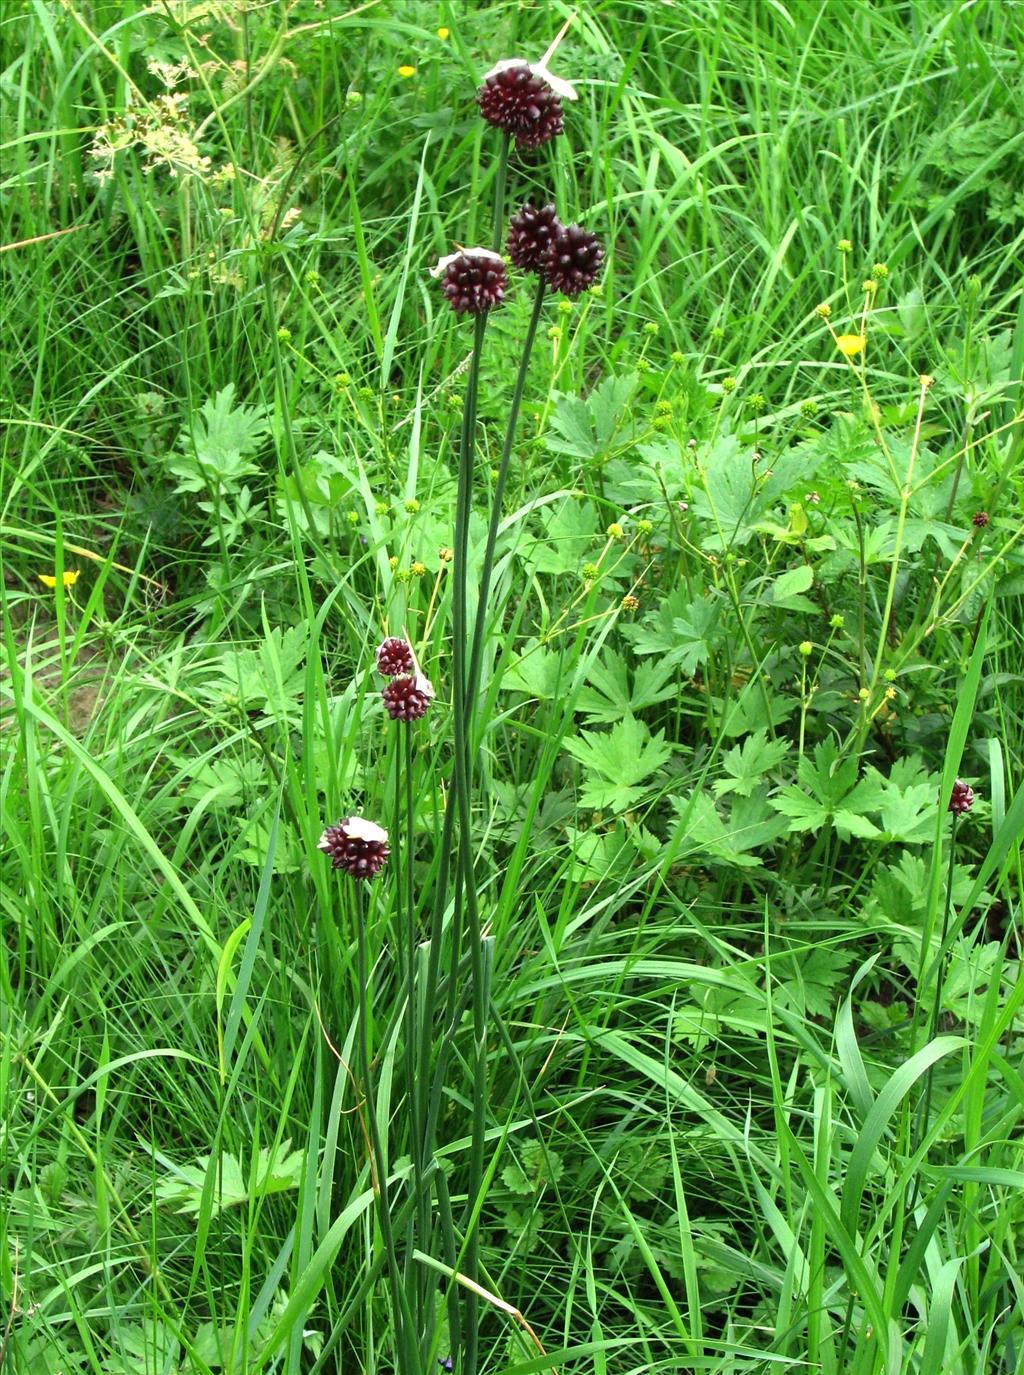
442, 34
69, 579
849, 345
406, 72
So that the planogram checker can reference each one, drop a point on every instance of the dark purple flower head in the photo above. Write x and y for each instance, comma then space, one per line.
446, 1363
407, 698
394, 656
961, 799
529, 235
474, 279
980, 519
359, 847
525, 100
572, 260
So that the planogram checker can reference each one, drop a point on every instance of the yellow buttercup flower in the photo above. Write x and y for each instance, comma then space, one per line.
442, 34
849, 345
406, 71
69, 579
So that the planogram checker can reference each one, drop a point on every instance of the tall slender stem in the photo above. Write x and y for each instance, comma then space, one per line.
463, 804
414, 1032
487, 568
940, 973
404, 1345
498, 231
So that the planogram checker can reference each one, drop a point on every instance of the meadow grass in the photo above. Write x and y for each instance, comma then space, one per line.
753, 1060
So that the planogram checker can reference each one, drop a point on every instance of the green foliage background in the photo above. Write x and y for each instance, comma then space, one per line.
712, 855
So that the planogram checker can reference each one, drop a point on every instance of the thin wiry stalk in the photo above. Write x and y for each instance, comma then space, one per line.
463, 806
487, 567
414, 1032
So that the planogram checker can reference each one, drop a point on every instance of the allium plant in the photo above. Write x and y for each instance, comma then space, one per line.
394, 656
474, 280
961, 800
572, 260
359, 847
525, 102
408, 697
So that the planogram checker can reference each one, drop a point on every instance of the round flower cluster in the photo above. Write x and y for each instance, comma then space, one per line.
567, 256
394, 656
473, 279
358, 846
961, 799
410, 693
525, 100
408, 697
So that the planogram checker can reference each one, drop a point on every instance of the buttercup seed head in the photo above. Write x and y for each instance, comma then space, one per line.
572, 260
408, 698
530, 233
474, 280
980, 519
961, 799
358, 846
394, 656
524, 101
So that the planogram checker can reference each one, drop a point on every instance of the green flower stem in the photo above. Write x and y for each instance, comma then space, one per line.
940, 977
464, 872
498, 232
487, 568
405, 1347
414, 1034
